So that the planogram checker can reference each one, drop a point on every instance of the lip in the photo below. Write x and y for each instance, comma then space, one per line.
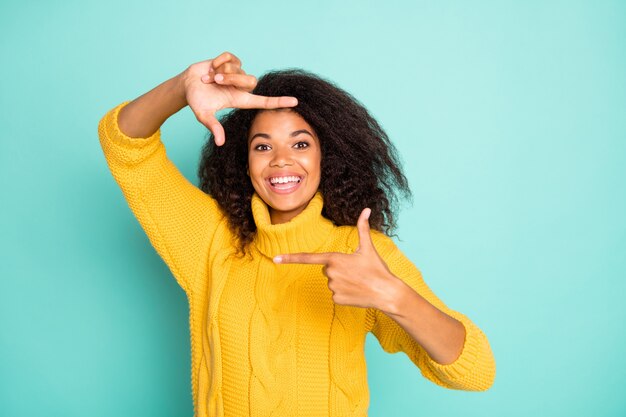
284, 174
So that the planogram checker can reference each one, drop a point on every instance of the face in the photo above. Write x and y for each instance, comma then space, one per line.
284, 162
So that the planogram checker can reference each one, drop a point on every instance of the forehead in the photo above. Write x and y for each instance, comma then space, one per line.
278, 121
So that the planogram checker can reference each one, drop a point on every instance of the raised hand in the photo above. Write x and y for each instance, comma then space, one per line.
220, 83
360, 279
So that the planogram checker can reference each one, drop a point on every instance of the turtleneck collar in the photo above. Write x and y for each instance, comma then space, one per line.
304, 233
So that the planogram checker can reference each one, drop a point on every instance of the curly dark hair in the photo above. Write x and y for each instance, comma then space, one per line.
360, 166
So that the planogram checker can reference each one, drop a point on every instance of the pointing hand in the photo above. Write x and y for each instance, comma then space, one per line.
360, 279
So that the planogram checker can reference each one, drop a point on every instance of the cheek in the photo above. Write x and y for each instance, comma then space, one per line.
315, 165
255, 167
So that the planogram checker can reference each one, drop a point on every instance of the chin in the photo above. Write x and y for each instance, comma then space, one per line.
293, 202
288, 202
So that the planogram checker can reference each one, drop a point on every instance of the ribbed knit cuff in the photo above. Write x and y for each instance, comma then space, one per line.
121, 147
474, 369
466, 360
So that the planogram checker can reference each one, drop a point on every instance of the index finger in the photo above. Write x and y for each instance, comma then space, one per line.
263, 102
303, 258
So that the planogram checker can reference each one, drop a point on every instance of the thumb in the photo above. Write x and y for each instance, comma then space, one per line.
363, 227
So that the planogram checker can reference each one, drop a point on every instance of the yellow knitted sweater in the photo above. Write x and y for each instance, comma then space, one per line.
267, 339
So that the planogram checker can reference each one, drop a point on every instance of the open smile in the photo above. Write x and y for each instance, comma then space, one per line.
284, 184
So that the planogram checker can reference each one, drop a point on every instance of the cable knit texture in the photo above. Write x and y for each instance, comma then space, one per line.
267, 339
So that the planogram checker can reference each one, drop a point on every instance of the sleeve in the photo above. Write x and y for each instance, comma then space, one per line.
178, 218
473, 370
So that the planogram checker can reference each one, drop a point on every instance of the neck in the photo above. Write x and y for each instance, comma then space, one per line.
280, 217
305, 231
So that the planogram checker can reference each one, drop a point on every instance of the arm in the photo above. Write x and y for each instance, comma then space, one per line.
441, 335
144, 116
178, 218
402, 312
448, 347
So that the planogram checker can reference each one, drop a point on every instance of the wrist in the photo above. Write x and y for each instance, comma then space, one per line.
394, 296
179, 85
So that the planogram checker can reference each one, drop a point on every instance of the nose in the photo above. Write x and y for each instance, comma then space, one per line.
282, 157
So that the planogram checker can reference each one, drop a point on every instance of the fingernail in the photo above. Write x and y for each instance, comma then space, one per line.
205, 78
367, 213
219, 78
278, 259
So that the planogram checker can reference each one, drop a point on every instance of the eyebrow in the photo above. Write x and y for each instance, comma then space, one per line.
293, 134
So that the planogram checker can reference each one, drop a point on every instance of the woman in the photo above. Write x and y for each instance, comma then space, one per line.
283, 274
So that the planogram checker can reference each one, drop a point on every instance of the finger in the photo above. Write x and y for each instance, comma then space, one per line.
210, 121
207, 77
206, 73
223, 58
244, 82
363, 227
228, 68
213, 74
262, 102
304, 258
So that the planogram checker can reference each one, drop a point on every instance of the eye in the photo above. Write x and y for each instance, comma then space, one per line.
301, 145
262, 147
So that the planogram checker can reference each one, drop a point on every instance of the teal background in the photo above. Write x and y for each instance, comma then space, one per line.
509, 116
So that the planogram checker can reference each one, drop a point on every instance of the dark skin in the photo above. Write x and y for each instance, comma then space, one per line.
363, 279
205, 87
360, 279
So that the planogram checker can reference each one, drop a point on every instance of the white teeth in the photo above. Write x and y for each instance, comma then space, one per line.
282, 180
